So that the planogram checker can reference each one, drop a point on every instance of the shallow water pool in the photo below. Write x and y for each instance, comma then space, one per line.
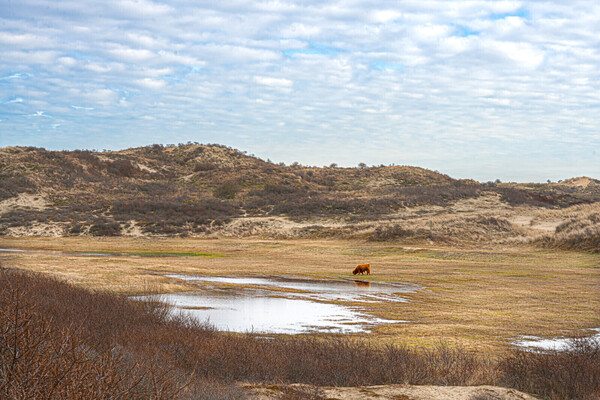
285, 305
555, 344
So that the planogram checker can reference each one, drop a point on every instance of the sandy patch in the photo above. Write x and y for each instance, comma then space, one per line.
384, 392
146, 168
103, 157
486, 202
133, 230
269, 226
582, 182
546, 226
522, 220
533, 222
187, 178
24, 200
38, 229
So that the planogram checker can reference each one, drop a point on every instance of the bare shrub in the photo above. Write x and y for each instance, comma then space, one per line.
227, 190
487, 396
556, 375
40, 358
103, 228
440, 195
11, 186
397, 231
175, 215
515, 197
122, 168
298, 392
204, 166
448, 229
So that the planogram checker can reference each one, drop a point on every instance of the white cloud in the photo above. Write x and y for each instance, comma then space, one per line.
24, 40
524, 54
98, 67
149, 83
175, 58
145, 41
131, 55
274, 82
68, 61
30, 57
100, 96
141, 8
300, 30
385, 16
430, 32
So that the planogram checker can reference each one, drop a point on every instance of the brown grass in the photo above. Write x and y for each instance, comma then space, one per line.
580, 232
62, 342
472, 297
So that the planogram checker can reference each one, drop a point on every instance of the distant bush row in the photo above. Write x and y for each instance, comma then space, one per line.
169, 217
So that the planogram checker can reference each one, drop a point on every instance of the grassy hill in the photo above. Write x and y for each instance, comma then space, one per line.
202, 189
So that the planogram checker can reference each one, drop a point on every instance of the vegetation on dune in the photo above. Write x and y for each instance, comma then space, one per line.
448, 229
193, 189
137, 350
577, 233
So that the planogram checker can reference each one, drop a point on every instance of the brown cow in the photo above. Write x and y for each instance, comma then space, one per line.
362, 268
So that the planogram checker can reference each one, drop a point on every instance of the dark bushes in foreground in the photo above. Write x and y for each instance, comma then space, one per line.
570, 374
61, 342
44, 355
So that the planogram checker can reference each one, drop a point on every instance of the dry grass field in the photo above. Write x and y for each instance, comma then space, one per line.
481, 299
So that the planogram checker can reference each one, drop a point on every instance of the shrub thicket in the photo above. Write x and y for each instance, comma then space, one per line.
58, 341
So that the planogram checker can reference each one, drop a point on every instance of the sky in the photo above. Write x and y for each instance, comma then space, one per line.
477, 89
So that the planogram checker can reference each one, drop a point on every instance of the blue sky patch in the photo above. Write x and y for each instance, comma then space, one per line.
464, 31
521, 13
15, 75
313, 49
381, 66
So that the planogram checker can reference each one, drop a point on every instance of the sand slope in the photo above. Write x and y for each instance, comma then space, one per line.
385, 392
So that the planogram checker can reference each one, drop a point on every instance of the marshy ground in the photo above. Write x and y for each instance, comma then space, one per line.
482, 299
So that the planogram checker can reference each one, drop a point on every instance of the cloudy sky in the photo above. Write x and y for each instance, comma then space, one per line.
473, 88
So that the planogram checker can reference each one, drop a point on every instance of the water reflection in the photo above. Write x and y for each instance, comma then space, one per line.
317, 289
535, 343
248, 311
289, 305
